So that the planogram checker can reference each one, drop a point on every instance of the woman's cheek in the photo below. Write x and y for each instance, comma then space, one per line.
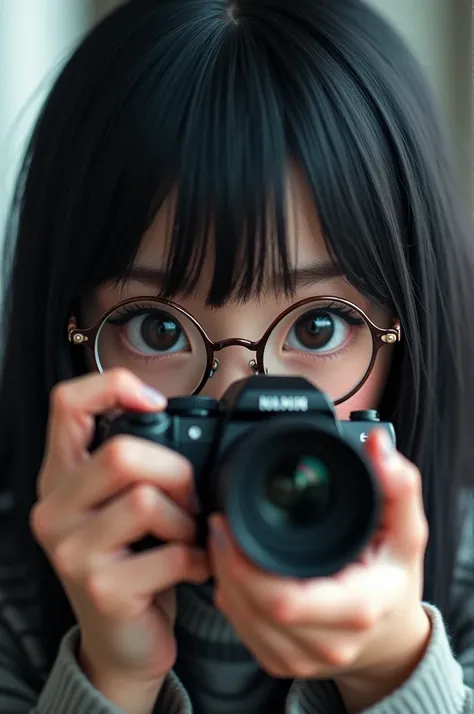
369, 395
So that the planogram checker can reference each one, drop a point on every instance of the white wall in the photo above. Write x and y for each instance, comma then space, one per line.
35, 37
440, 34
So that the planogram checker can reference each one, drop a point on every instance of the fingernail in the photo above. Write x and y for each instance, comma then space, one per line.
154, 397
218, 536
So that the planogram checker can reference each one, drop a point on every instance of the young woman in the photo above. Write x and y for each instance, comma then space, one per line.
202, 172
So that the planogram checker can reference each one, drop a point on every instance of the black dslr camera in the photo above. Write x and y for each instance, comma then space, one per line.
299, 494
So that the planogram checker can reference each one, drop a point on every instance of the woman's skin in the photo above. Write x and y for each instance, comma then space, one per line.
364, 627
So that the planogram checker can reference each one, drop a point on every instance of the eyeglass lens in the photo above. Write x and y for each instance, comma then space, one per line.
326, 341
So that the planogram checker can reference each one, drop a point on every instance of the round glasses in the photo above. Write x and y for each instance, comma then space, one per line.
328, 340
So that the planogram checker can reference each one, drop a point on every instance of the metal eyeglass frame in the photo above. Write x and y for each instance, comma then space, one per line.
380, 336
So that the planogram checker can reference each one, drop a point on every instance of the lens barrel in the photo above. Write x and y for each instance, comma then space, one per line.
301, 501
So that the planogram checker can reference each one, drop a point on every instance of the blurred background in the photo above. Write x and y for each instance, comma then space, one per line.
36, 37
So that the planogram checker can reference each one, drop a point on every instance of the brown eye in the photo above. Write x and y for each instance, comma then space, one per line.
160, 332
322, 330
326, 341
314, 330
154, 333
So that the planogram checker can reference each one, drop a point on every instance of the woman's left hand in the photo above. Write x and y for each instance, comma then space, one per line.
364, 624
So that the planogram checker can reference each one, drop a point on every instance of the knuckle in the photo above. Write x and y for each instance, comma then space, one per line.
282, 610
421, 534
339, 656
186, 470
118, 455
59, 397
99, 591
365, 616
425, 530
141, 502
412, 480
64, 559
39, 521
121, 380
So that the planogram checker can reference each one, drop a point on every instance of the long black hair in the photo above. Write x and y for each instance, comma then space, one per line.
215, 100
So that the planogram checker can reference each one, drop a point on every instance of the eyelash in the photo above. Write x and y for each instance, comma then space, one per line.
128, 312
346, 313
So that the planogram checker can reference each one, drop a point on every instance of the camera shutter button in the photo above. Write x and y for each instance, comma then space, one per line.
365, 415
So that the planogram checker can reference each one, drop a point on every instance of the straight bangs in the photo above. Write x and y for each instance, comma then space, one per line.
197, 124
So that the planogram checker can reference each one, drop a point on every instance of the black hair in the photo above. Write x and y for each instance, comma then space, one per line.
215, 100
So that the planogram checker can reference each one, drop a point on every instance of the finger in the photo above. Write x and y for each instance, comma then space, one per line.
277, 653
119, 588
274, 651
139, 512
403, 518
120, 464
354, 602
75, 403
124, 461
294, 653
315, 647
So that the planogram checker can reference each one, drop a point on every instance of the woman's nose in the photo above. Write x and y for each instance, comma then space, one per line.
234, 363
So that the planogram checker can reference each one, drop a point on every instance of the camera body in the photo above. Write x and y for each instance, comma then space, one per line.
298, 492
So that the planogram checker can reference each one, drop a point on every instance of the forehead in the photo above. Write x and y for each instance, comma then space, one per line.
305, 242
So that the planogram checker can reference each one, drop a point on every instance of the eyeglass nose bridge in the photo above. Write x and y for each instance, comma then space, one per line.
236, 342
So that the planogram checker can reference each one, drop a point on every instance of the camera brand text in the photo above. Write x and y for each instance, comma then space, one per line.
284, 403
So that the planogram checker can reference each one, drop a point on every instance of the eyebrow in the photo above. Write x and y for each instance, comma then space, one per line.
301, 277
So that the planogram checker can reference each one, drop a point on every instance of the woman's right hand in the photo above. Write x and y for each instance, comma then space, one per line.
90, 508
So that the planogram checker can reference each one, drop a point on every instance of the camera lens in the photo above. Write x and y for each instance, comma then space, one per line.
299, 498
297, 490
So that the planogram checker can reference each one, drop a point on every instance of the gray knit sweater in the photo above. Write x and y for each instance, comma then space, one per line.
214, 673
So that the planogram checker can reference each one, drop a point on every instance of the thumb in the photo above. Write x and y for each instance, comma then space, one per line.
403, 519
